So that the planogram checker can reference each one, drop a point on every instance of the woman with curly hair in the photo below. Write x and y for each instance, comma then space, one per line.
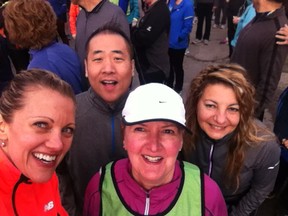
227, 142
32, 24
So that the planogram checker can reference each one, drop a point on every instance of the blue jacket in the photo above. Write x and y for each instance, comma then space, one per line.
245, 18
181, 23
61, 60
59, 6
129, 7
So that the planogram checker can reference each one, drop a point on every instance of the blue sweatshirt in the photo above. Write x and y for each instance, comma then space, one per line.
181, 23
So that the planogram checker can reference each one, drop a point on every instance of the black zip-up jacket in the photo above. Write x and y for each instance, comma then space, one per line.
256, 50
151, 39
257, 176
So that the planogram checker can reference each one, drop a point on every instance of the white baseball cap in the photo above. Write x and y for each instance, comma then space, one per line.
154, 102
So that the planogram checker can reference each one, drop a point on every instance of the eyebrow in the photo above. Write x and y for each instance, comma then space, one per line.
113, 51
233, 104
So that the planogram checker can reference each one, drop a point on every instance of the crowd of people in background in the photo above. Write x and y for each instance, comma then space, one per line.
88, 144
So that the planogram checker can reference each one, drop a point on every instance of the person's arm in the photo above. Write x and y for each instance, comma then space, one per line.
214, 201
188, 22
270, 64
265, 172
134, 10
92, 197
73, 13
282, 35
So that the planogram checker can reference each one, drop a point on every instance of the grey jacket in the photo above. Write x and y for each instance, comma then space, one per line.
257, 176
97, 141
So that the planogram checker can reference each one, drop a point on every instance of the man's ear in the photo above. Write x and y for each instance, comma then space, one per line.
133, 67
3, 129
86, 66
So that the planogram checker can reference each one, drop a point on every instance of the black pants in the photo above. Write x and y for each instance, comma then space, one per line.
204, 12
176, 68
222, 7
230, 33
61, 30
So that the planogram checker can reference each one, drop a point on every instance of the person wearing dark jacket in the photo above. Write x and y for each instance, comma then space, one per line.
204, 12
257, 51
6, 73
280, 129
227, 142
109, 66
93, 15
150, 38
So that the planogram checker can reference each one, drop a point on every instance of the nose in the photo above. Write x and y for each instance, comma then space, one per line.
154, 142
220, 116
108, 66
55, 141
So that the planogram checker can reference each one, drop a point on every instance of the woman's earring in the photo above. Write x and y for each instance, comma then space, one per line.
3, 144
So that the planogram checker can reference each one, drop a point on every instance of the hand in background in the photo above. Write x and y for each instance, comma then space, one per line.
282, 35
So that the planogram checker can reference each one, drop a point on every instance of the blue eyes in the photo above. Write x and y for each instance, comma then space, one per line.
44, 126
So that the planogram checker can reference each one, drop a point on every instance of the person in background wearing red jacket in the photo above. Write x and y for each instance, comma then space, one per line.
37, 121
73, 13
152, 181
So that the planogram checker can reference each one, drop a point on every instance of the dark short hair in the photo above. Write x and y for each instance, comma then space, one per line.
111, 29
13, 96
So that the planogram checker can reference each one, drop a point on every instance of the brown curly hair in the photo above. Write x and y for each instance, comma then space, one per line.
231, 75
30, 23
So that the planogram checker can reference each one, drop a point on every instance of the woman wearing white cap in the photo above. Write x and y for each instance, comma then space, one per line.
152, 181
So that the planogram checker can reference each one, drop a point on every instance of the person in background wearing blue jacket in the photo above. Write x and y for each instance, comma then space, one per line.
181, 16
242, 21
60, 9
130, 8
32, 24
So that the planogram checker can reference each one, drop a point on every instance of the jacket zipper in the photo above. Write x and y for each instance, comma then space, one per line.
210, 160
147, 204
21, 180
